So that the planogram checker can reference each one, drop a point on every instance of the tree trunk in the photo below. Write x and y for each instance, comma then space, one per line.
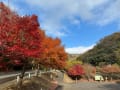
111, 76
76, 80
88, 77
37, 70
20, 82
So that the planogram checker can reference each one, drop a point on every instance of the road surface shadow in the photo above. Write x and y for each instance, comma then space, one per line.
60, 87
115, 86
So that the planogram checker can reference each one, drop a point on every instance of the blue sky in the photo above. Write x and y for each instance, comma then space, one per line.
80, 24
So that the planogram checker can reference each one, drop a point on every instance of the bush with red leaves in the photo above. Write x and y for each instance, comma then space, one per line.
76, 70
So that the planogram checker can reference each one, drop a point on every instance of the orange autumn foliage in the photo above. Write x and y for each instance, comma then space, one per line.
53, 55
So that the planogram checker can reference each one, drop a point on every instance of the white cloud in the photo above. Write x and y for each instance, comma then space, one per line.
75, 21
79, 49
53, 13
13, 6
110, 13
56, 11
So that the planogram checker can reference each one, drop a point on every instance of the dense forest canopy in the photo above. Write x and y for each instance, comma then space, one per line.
106, 51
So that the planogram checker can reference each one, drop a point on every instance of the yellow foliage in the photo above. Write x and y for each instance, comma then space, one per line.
71, 63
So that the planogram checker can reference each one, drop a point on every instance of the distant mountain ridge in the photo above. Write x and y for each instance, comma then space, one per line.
73, 56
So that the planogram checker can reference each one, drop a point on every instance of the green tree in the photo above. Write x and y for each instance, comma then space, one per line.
107, 51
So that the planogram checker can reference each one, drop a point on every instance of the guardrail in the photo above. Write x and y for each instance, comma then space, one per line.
5, 78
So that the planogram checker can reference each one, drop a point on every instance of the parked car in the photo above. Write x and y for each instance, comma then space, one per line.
99, 77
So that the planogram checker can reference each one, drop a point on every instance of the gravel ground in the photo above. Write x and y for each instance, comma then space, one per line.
2, 86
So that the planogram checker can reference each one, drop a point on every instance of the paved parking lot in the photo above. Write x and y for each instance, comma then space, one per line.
86, 85
89, 86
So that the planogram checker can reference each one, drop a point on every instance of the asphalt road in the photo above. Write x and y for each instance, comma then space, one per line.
9, 76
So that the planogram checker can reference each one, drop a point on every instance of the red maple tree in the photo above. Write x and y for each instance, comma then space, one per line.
19, 36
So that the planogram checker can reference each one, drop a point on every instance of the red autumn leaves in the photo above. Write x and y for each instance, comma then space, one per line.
21, 38
76, 70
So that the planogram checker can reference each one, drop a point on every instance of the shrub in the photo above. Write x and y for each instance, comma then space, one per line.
75, 71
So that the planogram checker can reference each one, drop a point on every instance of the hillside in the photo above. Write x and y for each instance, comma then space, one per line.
107, 51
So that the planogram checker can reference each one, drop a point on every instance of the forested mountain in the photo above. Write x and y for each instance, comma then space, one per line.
106, 51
